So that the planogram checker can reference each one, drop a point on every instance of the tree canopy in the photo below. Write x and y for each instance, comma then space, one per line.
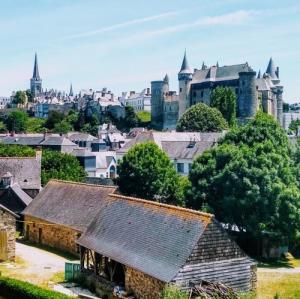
224, 99
248, 180
16, 121
202, 118
294, 125
62, 166
146, 171
20, 98
54, 117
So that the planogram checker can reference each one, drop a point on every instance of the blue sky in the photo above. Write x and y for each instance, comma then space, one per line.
124, 44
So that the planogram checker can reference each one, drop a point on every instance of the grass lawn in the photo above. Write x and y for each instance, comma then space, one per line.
286, 285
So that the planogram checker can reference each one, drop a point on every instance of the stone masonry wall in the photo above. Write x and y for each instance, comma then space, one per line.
8, 223
142, 285
53, 235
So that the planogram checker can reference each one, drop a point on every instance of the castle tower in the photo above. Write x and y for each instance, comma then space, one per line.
158, 92
247, 100
279, 104
185, 77
36, 81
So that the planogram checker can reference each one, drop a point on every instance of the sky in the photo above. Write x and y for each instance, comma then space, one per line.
125, 44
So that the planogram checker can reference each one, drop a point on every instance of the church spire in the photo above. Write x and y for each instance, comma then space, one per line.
71, 93
36, 74
185, 66
166, 79
217, 65
203, 66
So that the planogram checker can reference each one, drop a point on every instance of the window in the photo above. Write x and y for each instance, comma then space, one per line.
180, 89
202, 94
190, 166
180, 167
194, 94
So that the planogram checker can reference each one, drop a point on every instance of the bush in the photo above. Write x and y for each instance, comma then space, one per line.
16, 151
24, 290
171, 292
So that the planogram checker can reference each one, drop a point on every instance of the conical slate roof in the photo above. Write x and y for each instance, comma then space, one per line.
166, 79
71, 91
271, 70
185, 66
259, 75
36, 74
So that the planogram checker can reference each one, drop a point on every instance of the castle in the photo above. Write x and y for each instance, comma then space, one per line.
196, 86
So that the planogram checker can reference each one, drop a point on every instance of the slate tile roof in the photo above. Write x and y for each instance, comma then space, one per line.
70, 204
14, 198
25, 170
153, 238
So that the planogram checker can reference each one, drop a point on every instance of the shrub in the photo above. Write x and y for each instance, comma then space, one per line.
16, 151
20, 289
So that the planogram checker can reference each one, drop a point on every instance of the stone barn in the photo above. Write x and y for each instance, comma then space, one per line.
144, 245
7, 234
61, 213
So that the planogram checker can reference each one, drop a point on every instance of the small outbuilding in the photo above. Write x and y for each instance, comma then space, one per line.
62, 212
7, 234
144, 245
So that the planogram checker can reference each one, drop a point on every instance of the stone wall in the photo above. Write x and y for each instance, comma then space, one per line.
8, 224
46, 233
142, 285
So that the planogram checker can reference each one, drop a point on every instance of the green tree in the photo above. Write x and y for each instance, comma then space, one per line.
20, 98
294, 125
146, 171
224, 99
201, 118
16, 121
54, 117
35, 125
29, 95
3, 128
62, 127
80, 122
57, 165
249, 180
16, 151
130, 120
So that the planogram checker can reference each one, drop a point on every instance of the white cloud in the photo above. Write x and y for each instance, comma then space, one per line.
121, 25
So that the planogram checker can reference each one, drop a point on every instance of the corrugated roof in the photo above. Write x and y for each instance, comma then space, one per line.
153, 238
70, 204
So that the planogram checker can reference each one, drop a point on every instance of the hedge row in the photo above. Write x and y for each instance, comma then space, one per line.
20, 289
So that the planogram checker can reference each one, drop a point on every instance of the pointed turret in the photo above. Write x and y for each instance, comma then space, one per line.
166, 79
71, 94
36, 74
185, 69
203, 66
259, 75
217, 65
271, 70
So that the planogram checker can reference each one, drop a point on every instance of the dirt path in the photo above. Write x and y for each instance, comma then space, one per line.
281, 270
34, 265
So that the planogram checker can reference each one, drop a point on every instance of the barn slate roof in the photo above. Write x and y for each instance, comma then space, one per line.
150, 237
70, 204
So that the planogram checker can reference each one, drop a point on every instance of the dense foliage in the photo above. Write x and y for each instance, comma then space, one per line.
35, 125
16, 151
20, 98
201, 118
54, 117
24, 290
249, 180
146, 171
294, 125
57, 165
16, 121
224, 99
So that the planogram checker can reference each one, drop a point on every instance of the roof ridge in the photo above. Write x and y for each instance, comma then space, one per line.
81, 183
158, 204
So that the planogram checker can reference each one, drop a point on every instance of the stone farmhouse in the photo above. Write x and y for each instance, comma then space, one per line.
7, 234
61, 213
181, 148
144, 245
